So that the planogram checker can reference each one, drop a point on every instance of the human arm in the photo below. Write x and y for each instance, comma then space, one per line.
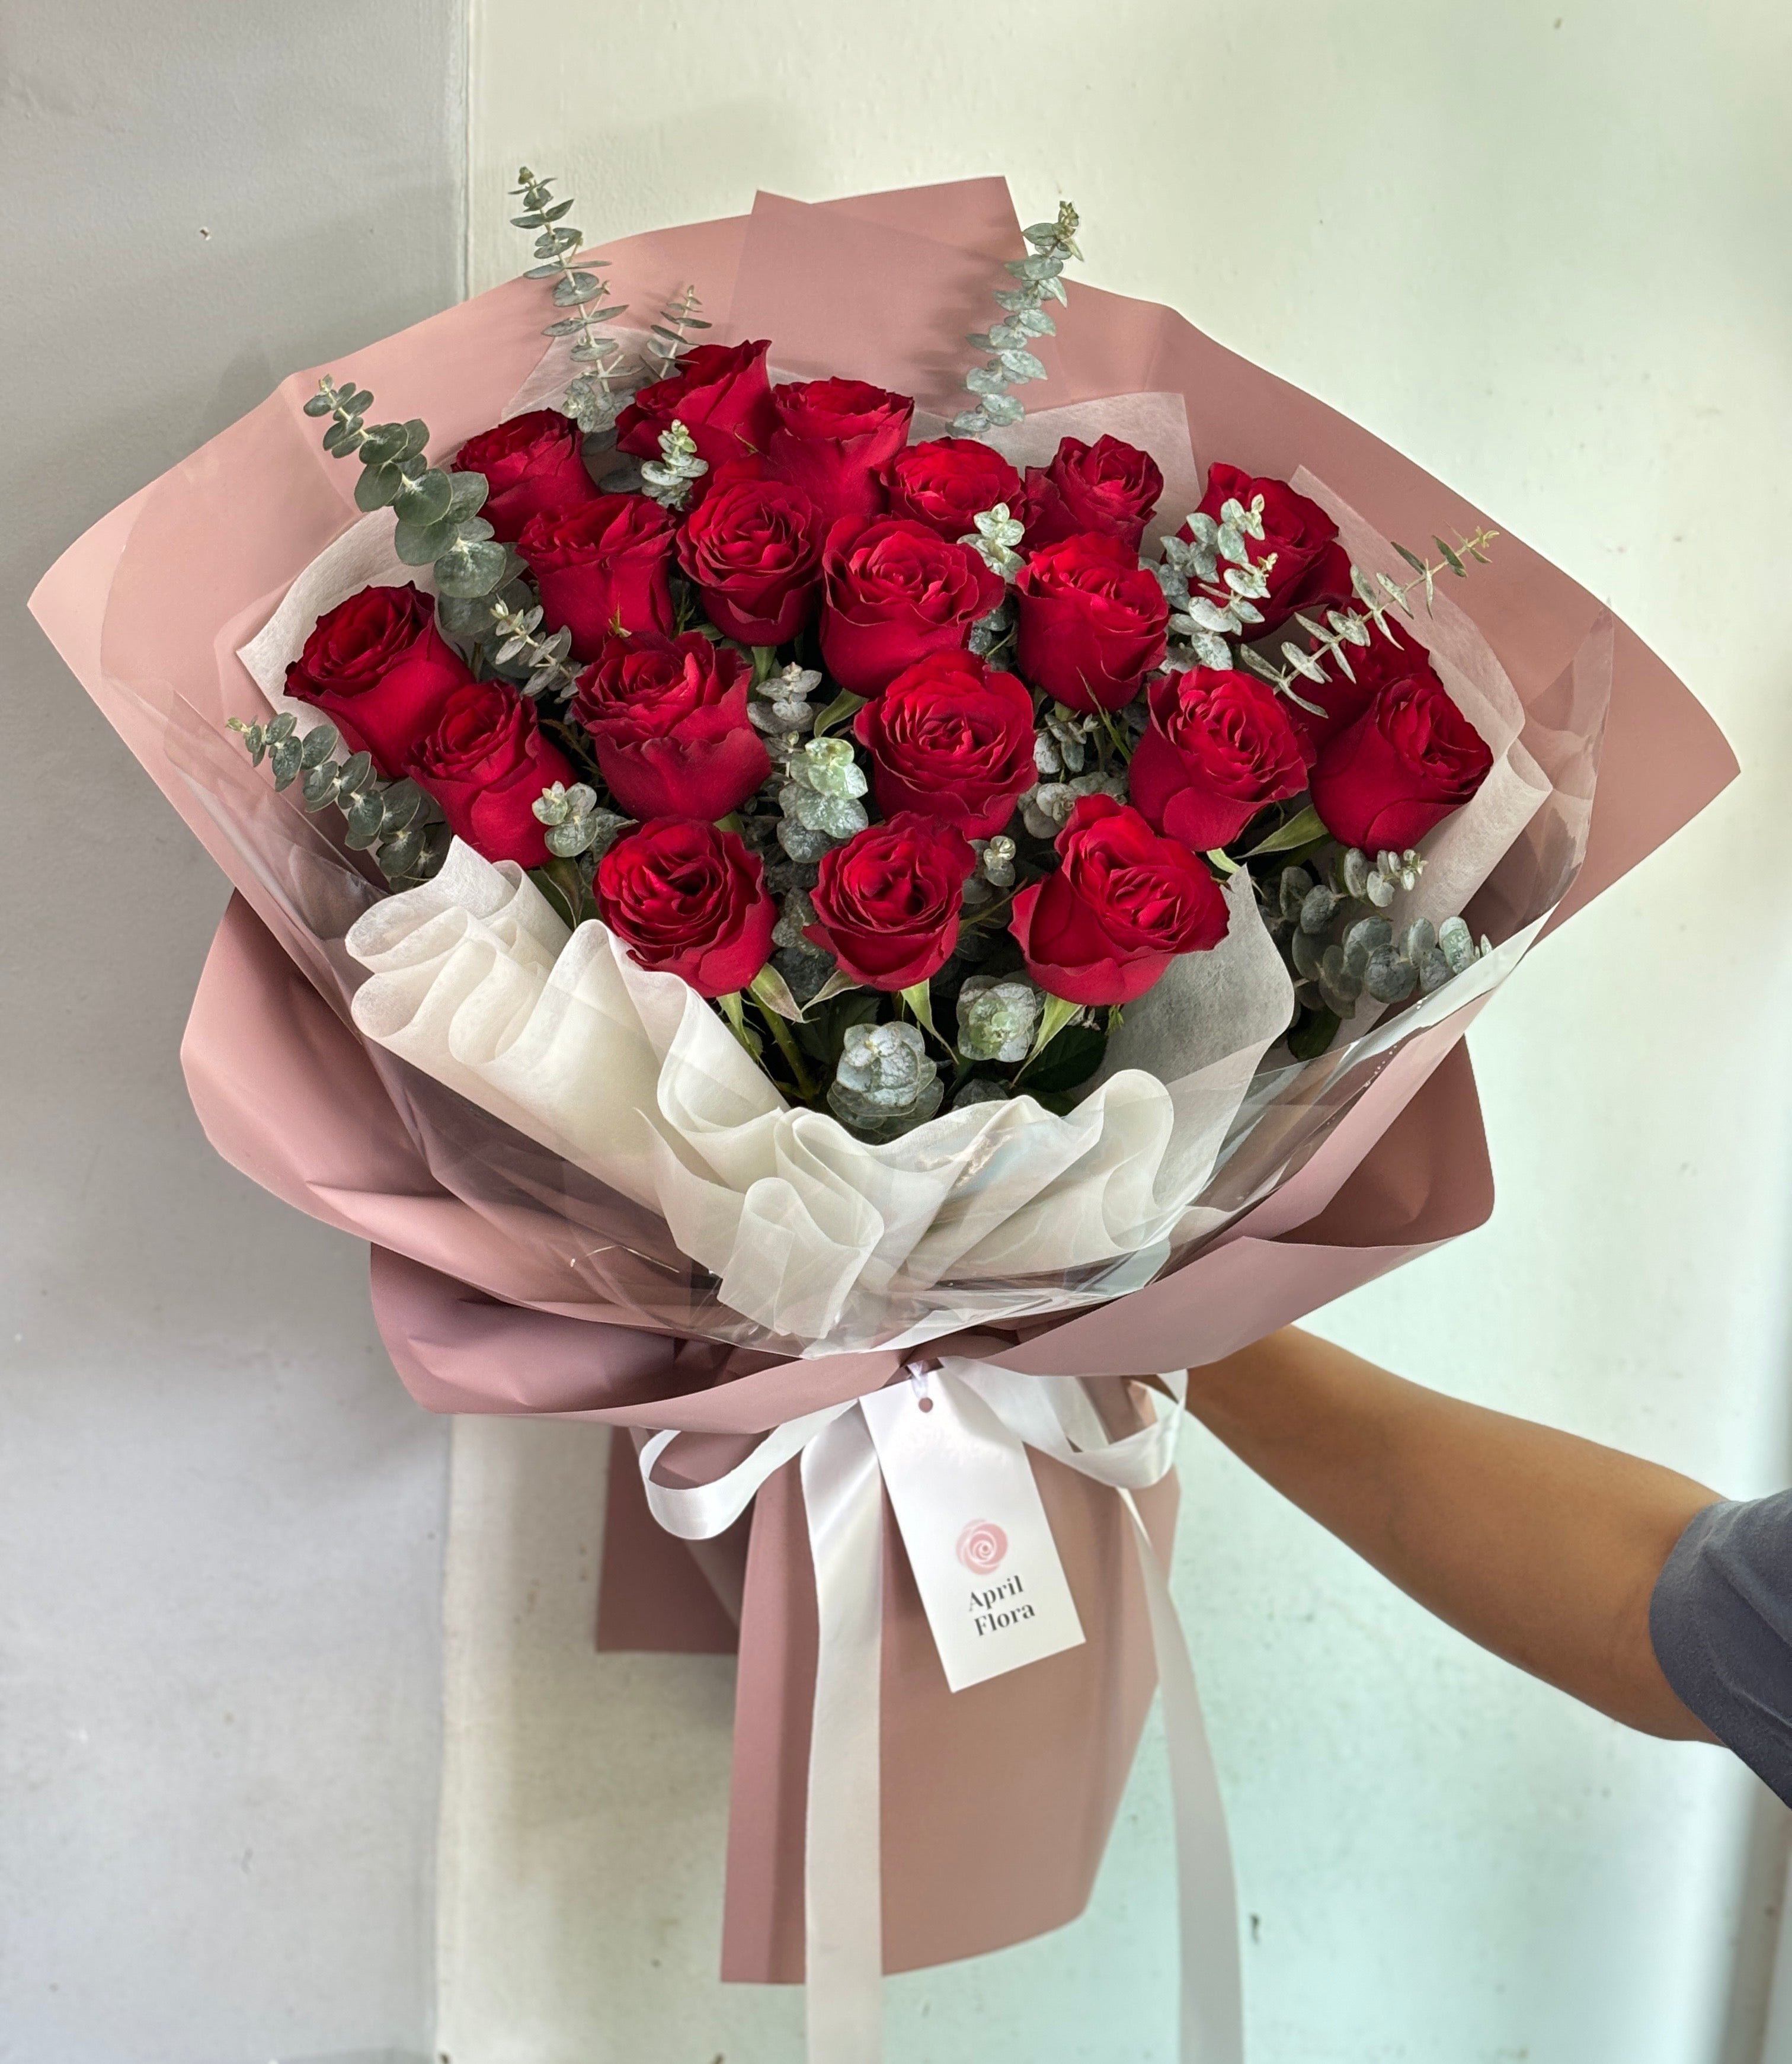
1545, 1548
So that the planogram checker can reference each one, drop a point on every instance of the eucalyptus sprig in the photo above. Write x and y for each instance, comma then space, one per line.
666, 342
395, 821
439, 522
591, 400
669, 479
1351, 627
1212, 583
1340, 945
517, 631
1009, 342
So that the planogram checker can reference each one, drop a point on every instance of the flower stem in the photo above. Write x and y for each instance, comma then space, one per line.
787, 1047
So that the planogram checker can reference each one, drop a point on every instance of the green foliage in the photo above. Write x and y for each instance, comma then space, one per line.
543, 663
668, 479
1009, 342
1340, 947
396, 820
576, 825
590, 399
1343, 628
666, 342
438, 519
993, 538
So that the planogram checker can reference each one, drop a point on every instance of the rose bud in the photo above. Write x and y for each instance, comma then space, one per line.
1312, 570
893, 592
1220, 747
1093, 623
834, 439
948, 483
754, 548
1385, 660
950, 739
887, 902
485, 761
719, 393
669, 725
1107, 487
1410, 760
1123, 903
531, 463
688, 900
602, 568
377, 666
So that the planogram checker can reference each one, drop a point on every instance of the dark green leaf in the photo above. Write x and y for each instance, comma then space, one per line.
1072, 1057
560, 882
283, 757
357, 771
1313, 1033
1301, 829
320, 787
1451, 558
1411, 558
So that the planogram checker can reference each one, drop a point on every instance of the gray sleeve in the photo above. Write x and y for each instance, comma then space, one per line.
1721, 1620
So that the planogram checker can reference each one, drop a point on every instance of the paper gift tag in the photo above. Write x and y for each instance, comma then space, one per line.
988, 1570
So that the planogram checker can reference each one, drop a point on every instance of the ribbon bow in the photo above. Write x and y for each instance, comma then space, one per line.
843, 1493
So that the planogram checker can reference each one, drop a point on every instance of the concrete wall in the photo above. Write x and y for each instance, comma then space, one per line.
1542, 247
220, 1517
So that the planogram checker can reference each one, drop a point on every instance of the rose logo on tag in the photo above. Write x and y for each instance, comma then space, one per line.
981, 1546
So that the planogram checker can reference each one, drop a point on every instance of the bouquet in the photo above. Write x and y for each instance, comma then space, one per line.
842, 930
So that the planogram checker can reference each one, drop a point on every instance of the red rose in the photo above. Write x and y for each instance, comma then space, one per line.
947, 482
1123, 903
1311, 568
719, 393
834, 439
894, 592
949, 738
531, 463
754, 548
688, 900
1092, 623
486, 763
1377, 665
1410, 760
1107, 487
669, 724
603, 567
887, 902
1219, 748
379, 669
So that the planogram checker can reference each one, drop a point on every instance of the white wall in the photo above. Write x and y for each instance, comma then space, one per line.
220, 1517
1543, 248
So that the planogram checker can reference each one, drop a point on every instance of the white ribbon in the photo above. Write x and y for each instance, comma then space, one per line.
842, 1494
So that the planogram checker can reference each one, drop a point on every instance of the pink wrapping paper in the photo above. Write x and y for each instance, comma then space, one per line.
984, 1845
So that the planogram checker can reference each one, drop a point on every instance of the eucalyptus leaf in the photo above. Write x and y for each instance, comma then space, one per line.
466, 571
318, 744
416, 546
424, 501
377, 487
